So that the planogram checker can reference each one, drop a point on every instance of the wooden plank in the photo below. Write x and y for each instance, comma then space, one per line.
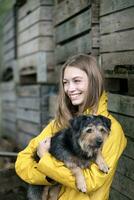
28, 127
35, 45
7, 86
107, 6
121, 104
117, 41
40, 14
79, 45
127, 123
117, 21
9, 95
95, 36
129, 151
9, 116
9, 125
8, 106
28, 91
110, 60
32, 5
9, 35
23, 139
115, 195
8, 46
124, 185
69, 8
29, 115
40, 60
36, 30
126, 167
9, 55
9, 25
8, 154
28, 103
74, 26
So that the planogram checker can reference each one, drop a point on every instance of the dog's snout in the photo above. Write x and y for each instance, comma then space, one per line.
99, 141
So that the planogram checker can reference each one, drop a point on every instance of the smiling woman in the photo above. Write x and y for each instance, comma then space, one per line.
81, 92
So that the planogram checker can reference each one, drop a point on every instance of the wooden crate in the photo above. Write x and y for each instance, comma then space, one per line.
8, 103
32, 110
35, 43
76, 28
122, 108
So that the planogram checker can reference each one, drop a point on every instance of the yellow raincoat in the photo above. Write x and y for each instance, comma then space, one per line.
98, 183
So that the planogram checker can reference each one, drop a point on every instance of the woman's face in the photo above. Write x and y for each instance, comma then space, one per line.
75, 83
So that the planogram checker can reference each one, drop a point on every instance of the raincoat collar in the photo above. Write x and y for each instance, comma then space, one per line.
102, 106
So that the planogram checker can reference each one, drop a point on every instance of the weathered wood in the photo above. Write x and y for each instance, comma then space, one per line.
126, 167
123, 185
110, 60
117, 41
107, 6
74, 26
9, 116
36, 30
115, 195
10, 125
129, 151
35, 45
127, 123
95, 36
8, 46
40, 14
28, 91
31, 5
117, 21
9, 25
8, 154
121, 104
28, 127
52, 105
23, 139
69, 8
7, 86
79, 45
8, 35
28, 103
9, 56
29, 115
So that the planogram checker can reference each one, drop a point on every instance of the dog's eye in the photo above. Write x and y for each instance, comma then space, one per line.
102, 130
88, 130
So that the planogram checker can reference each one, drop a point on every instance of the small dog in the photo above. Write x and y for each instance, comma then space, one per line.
76, 146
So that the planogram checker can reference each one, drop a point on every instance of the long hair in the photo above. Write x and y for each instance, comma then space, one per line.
66, 110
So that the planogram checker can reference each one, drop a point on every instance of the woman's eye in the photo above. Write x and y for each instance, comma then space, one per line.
76, 81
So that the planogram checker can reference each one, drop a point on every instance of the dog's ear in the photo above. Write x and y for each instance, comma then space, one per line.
106, 121
77, 122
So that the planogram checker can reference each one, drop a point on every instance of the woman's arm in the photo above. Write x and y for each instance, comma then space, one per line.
112, 150
26, 166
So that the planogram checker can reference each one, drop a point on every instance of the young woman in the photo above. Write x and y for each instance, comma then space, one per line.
81, 91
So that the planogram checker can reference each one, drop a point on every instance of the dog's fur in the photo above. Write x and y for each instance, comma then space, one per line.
76, 146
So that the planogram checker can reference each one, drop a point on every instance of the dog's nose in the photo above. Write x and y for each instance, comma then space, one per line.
99, 141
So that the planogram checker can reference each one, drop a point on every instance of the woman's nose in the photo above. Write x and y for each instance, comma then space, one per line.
71, 87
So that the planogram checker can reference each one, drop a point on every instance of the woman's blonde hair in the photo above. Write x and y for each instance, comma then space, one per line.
66, 110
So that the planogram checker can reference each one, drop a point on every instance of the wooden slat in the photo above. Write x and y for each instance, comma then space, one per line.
115, 195
8, 46
23, 139
107, 6
40, 14
9, 55
35, 45
69, 8
74, 26
28, 91
127, 123
117, 21
117, 41
123, 185
36, 30
8, 154
121, 104
79, 45
110, 60
32, 5
28, 127
126, 167
29, 103
129, 151
29, 115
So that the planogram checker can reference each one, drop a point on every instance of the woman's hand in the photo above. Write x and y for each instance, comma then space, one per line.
43, 147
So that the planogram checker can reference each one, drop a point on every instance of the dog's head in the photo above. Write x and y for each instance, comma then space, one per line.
90, 132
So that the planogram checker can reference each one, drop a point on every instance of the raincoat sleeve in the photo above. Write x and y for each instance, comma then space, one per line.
112, 150
26, 166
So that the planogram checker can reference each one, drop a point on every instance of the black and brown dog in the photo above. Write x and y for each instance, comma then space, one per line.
77, 146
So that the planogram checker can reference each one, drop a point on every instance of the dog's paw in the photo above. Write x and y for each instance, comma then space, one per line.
82, 186
104, 168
